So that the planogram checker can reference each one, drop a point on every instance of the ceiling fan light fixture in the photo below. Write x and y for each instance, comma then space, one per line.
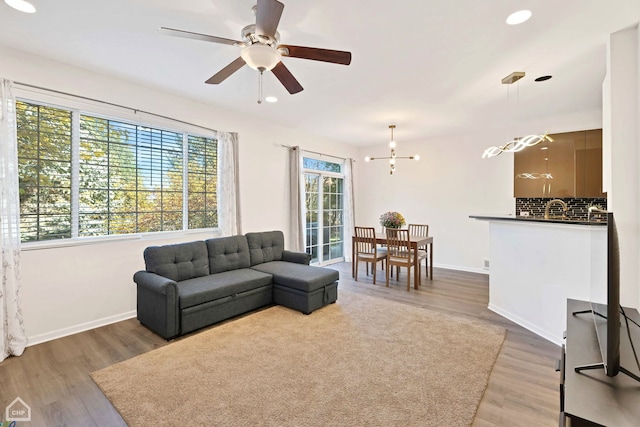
261, 57
21, 5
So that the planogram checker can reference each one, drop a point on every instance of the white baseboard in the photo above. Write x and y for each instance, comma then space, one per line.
460, 268
527, 325
50, 336
60, 333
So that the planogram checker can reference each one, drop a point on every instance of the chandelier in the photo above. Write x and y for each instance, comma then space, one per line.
517, 144
392, 157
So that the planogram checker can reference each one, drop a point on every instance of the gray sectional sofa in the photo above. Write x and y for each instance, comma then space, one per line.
191, 285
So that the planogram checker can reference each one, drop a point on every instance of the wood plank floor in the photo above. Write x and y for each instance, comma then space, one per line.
53, 377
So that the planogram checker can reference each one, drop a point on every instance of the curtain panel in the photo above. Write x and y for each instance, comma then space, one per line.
349, 211
12, 335
297, 195
228, 179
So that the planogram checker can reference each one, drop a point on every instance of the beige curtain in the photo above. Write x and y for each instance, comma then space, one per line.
229, 188
349, 210
296, 191
12, 336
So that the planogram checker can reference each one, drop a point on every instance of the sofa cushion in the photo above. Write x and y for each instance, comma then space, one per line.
178, 262
209, 288
228, 253
298, 276
265, 246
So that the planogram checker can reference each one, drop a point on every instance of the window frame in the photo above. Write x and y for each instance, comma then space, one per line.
165, 124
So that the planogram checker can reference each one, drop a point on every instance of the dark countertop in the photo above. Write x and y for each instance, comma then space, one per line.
503, 217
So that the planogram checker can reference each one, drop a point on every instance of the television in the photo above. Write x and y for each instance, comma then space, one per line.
607, 312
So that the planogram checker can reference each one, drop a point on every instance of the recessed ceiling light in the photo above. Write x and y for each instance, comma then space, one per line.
543, 78
21, 5
271, 99
519, 17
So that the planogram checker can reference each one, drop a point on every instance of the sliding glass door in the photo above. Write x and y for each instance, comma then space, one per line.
324, 202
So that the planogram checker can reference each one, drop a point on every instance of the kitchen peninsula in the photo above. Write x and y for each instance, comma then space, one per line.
537, 263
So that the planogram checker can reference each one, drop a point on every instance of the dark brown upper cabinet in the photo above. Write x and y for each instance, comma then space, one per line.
570, 166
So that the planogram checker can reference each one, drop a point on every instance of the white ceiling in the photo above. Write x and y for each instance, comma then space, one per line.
428, 66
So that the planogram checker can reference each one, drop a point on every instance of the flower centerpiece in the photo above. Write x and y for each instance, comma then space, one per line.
392, 220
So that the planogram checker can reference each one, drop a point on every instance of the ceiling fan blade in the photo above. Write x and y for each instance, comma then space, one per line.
221, 75
198, 36
268, 14
316, 54
286, 78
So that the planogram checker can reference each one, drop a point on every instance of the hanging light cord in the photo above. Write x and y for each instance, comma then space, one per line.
260, 87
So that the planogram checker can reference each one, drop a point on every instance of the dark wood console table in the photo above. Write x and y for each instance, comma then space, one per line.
590, 397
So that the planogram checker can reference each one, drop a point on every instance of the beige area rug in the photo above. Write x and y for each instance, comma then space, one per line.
360, 362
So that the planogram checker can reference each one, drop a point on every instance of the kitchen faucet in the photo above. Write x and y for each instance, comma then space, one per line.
551, 202
594, 210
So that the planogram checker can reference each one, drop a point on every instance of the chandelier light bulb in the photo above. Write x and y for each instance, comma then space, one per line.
416, 157
392, 161
367, 159
392, 144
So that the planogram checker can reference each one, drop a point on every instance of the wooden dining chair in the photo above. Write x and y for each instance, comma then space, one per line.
423, 231
367, 250
399, 252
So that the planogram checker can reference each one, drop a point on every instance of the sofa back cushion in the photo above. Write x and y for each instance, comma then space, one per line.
228, 253
265, 246
178, 262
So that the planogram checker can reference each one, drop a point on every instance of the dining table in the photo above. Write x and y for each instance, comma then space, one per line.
415, 242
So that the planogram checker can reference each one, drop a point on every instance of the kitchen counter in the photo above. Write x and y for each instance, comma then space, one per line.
556, 220
535, 264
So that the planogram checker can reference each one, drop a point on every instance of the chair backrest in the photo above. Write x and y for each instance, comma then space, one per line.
398, 243
418, 229
365, 240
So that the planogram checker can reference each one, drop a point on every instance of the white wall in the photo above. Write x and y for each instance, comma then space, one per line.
621, 164
450, 182
538, 266
73, 288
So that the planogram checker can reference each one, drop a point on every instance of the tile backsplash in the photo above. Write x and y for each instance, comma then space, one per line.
577, 206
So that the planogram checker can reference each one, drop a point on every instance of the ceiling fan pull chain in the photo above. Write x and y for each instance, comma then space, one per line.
260, 88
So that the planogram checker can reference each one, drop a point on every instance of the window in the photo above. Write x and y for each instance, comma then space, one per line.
203, 183
324, 199
44, 162
131, 178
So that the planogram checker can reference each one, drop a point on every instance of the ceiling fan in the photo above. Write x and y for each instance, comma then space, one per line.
261, 48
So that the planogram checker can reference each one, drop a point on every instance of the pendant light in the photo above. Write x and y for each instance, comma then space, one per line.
392, 157
517, 144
